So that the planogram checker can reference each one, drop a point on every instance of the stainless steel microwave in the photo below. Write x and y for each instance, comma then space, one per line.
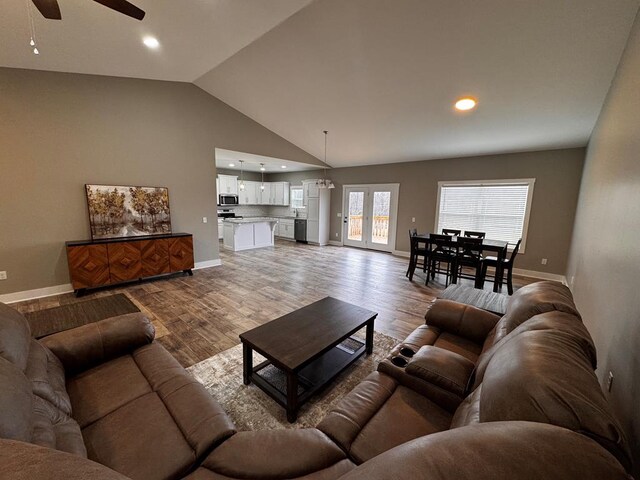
227, 199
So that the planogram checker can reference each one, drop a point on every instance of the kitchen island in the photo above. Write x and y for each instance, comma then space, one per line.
247, 233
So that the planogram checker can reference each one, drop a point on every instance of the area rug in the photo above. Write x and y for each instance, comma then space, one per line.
57, 319
252, 409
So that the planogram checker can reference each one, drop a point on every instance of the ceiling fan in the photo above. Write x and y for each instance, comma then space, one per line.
51, 10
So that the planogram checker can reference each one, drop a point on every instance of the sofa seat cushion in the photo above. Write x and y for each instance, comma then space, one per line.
380, 414
140, 440
144, 416
101, 390
16, 403
468, 349
276, 454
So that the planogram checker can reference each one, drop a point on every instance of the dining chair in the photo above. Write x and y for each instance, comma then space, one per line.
416, 253
470, 234
443, 250
470, 255
451, 232
507, 265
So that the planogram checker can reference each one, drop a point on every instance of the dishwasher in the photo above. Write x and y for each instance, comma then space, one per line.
300, 230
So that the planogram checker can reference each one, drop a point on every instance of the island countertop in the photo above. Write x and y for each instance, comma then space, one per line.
251, 220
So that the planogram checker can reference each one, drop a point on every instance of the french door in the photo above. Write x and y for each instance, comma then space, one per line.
370, 216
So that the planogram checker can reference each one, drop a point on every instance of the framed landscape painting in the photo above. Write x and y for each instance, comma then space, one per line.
123, 211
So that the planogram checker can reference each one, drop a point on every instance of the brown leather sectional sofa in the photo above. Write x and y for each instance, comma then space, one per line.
469, 395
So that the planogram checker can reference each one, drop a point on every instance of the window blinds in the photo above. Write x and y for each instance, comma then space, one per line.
499, 210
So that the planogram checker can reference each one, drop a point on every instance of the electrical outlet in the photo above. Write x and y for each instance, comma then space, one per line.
336, 234
339, 215
204, 219
3, 275
413, 219
544, 261
609, 381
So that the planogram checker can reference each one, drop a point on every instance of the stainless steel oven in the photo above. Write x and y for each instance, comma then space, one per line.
227, 199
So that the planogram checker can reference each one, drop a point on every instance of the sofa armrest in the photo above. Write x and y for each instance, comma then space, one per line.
442, 368
460, 319
277, 454
25, 461
89, 345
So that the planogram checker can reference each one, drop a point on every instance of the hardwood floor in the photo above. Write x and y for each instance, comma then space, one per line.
197, 317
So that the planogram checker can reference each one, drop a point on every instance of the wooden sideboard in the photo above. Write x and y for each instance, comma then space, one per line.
104, 262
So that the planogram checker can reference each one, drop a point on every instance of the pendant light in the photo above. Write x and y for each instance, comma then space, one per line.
324, 183
262, 172
241, 176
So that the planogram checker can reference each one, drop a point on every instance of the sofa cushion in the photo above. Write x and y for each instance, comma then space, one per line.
531, 300
15, 336
277, 454
46, 374
443, 368
55, 429
105, 388
469, 410
25, 461
140, 440
468, 349
16, 403
144, 416
378, 415
499, 450
543, 376
552, 321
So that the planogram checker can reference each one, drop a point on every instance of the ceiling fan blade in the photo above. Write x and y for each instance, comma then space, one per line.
122, 6
48, 8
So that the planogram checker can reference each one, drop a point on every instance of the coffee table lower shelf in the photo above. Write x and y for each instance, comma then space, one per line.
292, 389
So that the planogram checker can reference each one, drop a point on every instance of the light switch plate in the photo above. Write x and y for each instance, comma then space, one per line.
3, 275
204, 219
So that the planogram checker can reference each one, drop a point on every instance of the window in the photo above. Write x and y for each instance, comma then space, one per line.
500, 208
296, 197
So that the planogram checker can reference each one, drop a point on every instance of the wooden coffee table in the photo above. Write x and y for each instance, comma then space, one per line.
305, 350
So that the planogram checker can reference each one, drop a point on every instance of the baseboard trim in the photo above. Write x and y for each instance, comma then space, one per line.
335, 243
540, 275
207, 264
516, 271
67, 288
36, 293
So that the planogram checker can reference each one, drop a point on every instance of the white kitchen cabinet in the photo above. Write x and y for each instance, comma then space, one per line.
286, 228
249, 196
217, 188
228, 185
280, 193
265, 197
220, 228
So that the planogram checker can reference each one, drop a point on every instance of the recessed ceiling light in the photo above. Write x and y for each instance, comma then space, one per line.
151, 42
283, 166
262, 169
232, 164
466, 103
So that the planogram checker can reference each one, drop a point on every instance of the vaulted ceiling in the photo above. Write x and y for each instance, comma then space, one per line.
380, 75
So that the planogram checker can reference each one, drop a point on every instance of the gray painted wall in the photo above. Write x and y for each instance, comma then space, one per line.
604, 266
557, 174
59, 131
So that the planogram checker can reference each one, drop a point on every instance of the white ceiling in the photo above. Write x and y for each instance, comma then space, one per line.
194, 35
382, 76
252, 162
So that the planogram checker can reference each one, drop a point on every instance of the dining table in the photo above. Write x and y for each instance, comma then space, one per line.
499, 247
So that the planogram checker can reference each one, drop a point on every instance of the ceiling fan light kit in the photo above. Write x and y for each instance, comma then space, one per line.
51, 10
